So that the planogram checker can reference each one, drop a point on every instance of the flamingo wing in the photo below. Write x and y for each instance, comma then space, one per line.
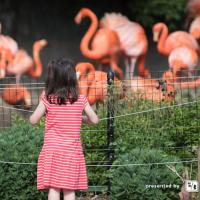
181, 38
183, 57
21, 64
132, 36
98, 88
16, 93
7, 42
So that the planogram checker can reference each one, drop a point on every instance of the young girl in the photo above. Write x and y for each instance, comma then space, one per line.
61, 163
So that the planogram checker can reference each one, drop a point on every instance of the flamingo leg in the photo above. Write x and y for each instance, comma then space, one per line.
117, 69
142, 71
127, 66
18, 77
130, 67
190, 74
3, 64
2, 73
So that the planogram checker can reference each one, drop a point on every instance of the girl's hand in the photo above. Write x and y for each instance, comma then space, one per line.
85, 119
91, 117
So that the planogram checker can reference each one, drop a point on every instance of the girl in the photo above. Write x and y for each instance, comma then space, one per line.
61, 163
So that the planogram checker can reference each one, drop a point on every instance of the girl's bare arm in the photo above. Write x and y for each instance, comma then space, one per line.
90, 117
38, 113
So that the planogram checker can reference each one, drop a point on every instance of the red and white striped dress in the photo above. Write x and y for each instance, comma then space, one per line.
61, 162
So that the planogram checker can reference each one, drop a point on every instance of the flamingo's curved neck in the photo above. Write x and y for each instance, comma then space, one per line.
85, 42
36, 71
162, 40
87, 76
87, 72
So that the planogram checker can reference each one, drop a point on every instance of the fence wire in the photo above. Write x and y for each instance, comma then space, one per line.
148, 114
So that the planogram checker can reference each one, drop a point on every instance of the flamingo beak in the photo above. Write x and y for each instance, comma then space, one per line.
2, 73
78, 75
44, 42
155, 36
78, 18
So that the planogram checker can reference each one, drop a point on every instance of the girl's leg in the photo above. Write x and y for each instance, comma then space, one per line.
54, 194
69, 195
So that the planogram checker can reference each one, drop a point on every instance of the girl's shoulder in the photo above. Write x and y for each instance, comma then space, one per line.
44, 99
81, 97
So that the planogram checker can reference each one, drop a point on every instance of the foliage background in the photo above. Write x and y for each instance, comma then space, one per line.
173, 13
168, 135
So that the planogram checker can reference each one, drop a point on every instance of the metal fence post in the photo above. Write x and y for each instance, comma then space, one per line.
198, 174
110, 122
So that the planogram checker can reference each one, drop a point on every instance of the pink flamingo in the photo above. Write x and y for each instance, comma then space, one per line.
8, 48
14, 94
24, 64
93, 84
193, 8
168, 42
133, 41
171, 79
183, 58
195, 27
6, 57
151, 89
105, 45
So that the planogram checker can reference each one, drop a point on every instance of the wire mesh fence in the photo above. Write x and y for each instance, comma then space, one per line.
147, 138
18, 98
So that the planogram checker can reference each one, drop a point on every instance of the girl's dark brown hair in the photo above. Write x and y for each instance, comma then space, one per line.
61, 82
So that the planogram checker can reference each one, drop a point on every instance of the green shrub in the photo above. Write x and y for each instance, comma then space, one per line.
161, 129
133, 182
172, 129
94, 140
20, 143
150, 12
